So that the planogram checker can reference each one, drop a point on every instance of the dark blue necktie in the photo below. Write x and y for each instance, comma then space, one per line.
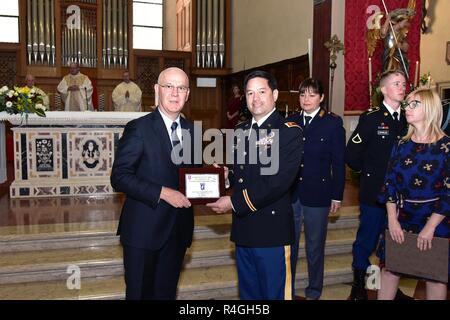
307, 121
256, 127
173, 135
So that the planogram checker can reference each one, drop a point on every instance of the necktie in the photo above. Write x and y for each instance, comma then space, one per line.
173, 135
253, 130
307, 121
395, 115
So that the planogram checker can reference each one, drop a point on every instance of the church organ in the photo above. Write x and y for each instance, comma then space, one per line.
98, 35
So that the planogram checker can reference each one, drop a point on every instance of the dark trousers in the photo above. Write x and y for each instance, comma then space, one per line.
372, 220
315, 221
153, 274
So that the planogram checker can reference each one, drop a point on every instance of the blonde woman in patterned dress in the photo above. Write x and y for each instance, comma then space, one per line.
418, 179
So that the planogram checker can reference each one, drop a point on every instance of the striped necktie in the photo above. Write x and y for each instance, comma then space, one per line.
173, 135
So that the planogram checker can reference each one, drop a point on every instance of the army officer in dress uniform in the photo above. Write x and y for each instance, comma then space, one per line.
368, 152
319, 188
262, 223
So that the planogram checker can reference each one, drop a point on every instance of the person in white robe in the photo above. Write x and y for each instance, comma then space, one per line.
127, 96
29, 82
76, 90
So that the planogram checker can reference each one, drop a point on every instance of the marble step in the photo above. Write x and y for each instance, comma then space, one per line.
42, 265
79, 235
218, 282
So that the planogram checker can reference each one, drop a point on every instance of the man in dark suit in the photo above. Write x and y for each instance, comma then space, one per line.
156, 224
319, 187
368, 152
262, 224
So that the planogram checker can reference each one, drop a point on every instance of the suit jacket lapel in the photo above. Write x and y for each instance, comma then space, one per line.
160, 130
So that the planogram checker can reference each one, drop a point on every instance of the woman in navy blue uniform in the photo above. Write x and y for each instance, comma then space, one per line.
417, 180
319, 187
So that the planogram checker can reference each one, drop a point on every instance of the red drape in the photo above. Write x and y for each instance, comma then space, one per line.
356, 56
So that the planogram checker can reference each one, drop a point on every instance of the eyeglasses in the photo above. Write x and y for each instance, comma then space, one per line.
411, 104
171, 87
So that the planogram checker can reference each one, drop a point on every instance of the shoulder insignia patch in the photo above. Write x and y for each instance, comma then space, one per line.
357, 139
333, 114
373, 110
292, 125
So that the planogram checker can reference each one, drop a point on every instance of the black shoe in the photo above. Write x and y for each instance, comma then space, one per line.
401, 296
358, 287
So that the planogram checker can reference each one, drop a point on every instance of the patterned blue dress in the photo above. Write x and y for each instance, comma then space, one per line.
421, 172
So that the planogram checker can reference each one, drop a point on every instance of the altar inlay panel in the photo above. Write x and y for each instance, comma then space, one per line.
66, 153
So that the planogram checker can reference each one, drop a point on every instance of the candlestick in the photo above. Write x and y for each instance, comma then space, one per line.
310, 52
416, 75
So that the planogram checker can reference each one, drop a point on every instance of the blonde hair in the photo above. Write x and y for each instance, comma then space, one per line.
432, 109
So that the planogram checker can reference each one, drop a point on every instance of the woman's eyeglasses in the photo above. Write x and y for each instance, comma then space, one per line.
411, 104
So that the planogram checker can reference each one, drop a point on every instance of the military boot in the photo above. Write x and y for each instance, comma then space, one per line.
358, 287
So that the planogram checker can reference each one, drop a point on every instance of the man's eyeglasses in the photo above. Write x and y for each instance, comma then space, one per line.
171, 87
411, 104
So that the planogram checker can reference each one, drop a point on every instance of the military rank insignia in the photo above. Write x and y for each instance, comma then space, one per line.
357, 139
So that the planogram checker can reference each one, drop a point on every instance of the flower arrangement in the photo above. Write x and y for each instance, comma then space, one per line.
21, 100
425, 80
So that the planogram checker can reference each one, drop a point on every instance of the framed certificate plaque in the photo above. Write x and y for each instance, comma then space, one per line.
202, 185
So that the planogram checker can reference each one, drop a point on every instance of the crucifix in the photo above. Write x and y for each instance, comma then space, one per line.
334, 45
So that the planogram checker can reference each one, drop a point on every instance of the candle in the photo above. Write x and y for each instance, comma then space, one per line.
310, 51
416, 75
370, 71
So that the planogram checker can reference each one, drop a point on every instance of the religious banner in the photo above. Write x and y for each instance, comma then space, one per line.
366, 50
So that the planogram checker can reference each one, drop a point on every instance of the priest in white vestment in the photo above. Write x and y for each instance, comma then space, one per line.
127, 96
29, 82
76, 90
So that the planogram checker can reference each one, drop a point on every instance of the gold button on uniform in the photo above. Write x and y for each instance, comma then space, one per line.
241, 180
